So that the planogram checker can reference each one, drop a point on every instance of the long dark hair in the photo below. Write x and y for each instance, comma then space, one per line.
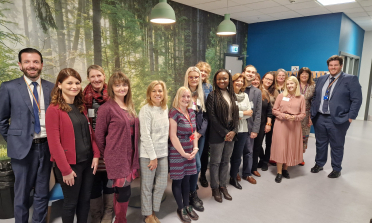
221, 106
272, 88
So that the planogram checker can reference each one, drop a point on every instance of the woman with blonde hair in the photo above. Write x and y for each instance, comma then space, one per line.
280, 78
193, 81
287, 146
117, 135
154, 128
183, 147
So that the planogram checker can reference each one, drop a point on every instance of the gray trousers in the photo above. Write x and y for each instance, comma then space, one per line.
219, 163
153, 184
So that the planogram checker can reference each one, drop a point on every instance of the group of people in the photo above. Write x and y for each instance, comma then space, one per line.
97, 142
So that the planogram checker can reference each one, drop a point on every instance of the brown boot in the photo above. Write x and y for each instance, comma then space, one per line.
182, 214
225, 193
191, 213
238, 178
217, 195
150, 219
156, 218
96, 209
108, 210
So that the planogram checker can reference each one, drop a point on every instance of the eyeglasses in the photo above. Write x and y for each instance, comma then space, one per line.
195, 78
268, 79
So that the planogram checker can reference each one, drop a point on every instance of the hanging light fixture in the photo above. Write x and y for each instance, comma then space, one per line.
162, 13
226, 27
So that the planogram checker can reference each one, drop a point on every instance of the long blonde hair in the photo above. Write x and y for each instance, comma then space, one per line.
151, 86
176, 99
119, 77
293, 79
202, 64
199, 88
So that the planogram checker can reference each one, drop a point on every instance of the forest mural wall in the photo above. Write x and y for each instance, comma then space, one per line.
115, 34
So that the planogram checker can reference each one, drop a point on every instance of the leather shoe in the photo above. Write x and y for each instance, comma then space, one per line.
302, 164
278, 178
217, 195
250, 179
203, 181
256, 173
182, 214
316, 169
225, 193
264, 167
285, 174
238, 178
235, 183
334, 174
194, 202
191, 213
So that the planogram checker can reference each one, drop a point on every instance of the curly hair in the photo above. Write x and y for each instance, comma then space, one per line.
57, 97
236, 77
221, 106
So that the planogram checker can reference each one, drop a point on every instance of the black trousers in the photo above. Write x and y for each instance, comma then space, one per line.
77, 197
100, 185
205, 155
257, 148
265, 156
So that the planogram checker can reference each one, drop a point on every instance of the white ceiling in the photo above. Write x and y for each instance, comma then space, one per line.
253, 11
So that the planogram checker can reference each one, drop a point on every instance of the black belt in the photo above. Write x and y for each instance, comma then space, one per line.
39, 140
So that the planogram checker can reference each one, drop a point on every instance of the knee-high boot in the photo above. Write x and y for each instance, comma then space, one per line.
96, 209
120, 210
108, 202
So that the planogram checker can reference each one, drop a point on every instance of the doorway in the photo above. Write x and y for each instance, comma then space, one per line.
233, 63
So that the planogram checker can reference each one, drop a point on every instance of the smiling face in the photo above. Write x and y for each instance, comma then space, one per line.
256, 82
193, 79
304, 77
291, 86
157, 95
222, 80
31, 65
250, 73
267, 81
238, 84
204, 73
184, 99
120, 89
70, 87
96, 79
280, 77
334, 67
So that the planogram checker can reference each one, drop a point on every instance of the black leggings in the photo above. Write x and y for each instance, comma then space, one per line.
123, 194
181, 190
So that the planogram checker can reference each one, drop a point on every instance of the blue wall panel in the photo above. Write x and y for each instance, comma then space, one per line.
351, 37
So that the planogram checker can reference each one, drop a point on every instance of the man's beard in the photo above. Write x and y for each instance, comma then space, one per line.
24, 70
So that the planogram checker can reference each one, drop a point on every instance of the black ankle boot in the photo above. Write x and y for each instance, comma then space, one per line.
194, 201
278, 178
285, 174
203, 180
235, 183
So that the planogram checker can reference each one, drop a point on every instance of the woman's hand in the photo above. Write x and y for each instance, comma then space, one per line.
310, 123
267, 128
188, 156
95, 165
198, 135
69, 179
153, 164
248, 112
230, 136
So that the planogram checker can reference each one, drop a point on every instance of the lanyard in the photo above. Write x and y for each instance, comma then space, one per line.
303, 92
330, 85
37, 103
188, 119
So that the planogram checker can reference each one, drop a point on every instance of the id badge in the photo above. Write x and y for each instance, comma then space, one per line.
192, 137
91, 113
325, 98
285, 99
252, 105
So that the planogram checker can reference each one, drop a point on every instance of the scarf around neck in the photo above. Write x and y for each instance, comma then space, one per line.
90, 94
240, 97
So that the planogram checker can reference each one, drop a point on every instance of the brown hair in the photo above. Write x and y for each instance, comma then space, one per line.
116, 78
236, 77
272, 88
336, 57
208, 69
151, 87
249, 66
57, 97
95, 67
310, 81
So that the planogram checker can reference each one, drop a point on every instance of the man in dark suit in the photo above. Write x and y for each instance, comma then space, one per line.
336, 102
23, 102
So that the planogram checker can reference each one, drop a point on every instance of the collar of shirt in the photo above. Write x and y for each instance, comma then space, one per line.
337, 75
29, 81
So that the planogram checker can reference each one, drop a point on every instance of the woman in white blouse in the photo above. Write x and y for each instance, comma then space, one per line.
154, 127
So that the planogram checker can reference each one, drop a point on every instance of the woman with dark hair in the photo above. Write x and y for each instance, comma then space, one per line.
268, 85
71, 144
265, 128
223, 117
307, 89
117, 135
95, 94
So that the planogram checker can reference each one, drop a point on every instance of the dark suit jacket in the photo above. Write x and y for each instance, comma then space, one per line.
345, 100
255, 96
17, 115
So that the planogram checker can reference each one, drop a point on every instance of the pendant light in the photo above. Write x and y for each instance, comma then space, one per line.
162, 13
226, 27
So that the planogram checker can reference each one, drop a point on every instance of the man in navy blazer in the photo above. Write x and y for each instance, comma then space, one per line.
336, 102
23, 102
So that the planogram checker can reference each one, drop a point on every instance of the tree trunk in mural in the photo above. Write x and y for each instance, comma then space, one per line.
156, 48
87, 32
97, 44
151, 48
67, 27
115, 41
35, 35
60, 34
76, 35
25, 22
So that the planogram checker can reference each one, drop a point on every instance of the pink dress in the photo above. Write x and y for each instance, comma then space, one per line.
287, 143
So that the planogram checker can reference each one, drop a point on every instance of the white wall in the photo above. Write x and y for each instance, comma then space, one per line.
365, 70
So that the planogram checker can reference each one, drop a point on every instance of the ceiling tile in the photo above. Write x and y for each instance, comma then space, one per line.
211, 5
275, 9
261, 5
287, 2
246, 14
369, 13
304, 5
243, 2
344, 6
285, 15
356, 14
368, 8
365, 2
312, 11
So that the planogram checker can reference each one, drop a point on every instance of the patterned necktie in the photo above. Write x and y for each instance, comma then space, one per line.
327, 94
36, 109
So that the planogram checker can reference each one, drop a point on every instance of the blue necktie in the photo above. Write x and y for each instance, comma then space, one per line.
327, 94
36, 109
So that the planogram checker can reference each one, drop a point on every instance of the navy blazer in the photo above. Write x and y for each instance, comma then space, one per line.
345, 100
17, 115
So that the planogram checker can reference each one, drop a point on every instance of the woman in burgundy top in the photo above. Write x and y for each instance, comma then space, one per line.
117, 134
71, 145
